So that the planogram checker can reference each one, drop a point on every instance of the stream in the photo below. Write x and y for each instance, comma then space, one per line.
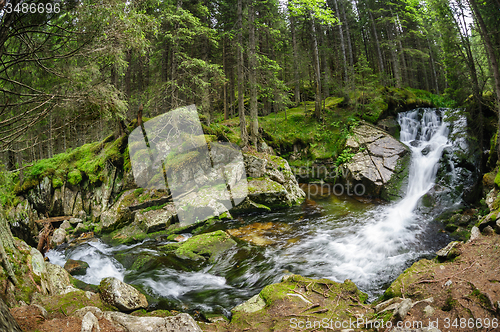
335, 237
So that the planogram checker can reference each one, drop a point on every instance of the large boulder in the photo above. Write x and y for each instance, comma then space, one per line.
380, 163
121, 295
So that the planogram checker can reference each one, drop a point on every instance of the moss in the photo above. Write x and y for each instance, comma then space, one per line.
75, 177
408, 277
497, 180
209, 245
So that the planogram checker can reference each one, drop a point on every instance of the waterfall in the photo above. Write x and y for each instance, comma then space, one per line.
375, 247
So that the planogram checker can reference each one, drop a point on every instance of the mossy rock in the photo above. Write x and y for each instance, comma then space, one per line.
278, 304
67, 304
408, 277
202, 248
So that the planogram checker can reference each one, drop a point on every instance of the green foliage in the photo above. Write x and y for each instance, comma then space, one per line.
344, 157
7, 184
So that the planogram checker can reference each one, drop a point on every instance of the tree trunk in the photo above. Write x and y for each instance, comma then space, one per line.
295, 61
492, 57
241, 88
252, 73
342, 44
317, 99
377, 45
7, 322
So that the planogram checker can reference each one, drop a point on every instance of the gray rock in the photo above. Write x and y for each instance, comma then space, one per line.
156, 220
90, 323
65, 225
37, 262
79, 228
403, 309
474, 234
179, 323
448, 283
255, 303
379, 163
59, 237
80, 313
58, 281
75, 221
255, 167
121, 295
448, 252
429, 311
497, 226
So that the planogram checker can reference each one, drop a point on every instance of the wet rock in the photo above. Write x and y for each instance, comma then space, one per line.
380, 163
121, 295
76, 267
90, 323
260, 234
202, 248
449, 251
254, 304
425, 151
179, 323
59, 237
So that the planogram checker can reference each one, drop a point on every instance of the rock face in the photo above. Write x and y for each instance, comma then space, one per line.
380, 162
121, 295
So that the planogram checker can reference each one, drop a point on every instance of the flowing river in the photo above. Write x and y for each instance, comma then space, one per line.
335, 237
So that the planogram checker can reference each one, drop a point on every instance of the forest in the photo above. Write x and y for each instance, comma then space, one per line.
78, 71
243, 220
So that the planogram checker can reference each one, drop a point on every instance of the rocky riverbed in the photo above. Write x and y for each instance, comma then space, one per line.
460, 281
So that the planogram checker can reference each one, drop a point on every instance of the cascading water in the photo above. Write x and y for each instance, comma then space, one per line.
371, 245
379, 244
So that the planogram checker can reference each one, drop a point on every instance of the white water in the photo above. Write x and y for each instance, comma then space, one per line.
368, 248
